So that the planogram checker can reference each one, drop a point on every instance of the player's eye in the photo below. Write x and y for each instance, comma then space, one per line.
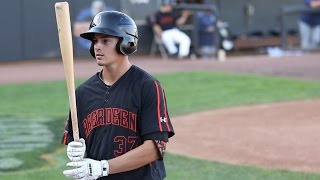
106, 41
94, 41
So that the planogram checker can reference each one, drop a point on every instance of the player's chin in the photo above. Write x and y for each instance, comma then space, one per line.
100, 63
103, 62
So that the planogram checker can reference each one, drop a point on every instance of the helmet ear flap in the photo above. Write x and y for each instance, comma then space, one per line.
118, 47
126, 47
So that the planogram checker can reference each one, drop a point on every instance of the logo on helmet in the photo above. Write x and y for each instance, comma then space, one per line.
96, 21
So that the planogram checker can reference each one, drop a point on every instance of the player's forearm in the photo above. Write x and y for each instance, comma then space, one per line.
183, 18
138, 157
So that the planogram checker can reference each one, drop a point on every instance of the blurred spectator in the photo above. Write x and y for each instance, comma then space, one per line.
309, 25
166, 26
84, 18
206, 22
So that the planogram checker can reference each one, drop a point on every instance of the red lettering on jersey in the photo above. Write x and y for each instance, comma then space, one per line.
116, 116
133, 142
108, 111
125, 144
94, 119
110, 116
124, 119
132, 122
166, 20
121, 141
87, 125
101, 117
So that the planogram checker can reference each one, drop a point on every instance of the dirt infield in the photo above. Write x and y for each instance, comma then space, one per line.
281, 135
302, 67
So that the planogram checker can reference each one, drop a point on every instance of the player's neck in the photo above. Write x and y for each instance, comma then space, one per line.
112, 73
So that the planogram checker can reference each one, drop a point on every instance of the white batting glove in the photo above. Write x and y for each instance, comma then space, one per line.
76, 150
87, 169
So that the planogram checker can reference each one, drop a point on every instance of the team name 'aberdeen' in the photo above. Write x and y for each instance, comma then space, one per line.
110, 116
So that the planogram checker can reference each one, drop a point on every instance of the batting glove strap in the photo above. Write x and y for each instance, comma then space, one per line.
105, 168
94, 168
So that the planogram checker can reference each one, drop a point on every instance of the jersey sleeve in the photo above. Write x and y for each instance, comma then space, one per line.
154, 111
67, 134
159, 139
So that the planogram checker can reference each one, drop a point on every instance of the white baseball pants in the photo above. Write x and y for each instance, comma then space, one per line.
171, 37
309, 36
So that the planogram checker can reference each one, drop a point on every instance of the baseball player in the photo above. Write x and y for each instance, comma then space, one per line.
124, 123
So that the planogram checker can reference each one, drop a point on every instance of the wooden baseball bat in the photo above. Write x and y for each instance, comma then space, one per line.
65, 40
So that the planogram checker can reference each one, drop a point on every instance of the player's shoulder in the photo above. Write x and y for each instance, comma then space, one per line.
141, 74
91, 82
143, 80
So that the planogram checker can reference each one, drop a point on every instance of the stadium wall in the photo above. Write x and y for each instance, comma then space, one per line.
29, 28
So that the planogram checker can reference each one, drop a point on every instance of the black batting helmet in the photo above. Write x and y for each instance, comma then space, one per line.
116, 24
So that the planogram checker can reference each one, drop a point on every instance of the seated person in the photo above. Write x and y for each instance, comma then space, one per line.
166, 26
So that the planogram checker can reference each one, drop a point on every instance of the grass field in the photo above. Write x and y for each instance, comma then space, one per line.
42, 109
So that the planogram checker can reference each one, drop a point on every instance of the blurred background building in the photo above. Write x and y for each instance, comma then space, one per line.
29, 30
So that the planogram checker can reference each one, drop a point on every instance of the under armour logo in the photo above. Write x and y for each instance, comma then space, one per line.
163, 119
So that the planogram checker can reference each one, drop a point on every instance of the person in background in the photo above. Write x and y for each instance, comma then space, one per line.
206, 25
166, 26
83, 19
309, 26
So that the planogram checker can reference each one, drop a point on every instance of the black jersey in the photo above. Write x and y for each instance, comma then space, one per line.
114, 120
166, 20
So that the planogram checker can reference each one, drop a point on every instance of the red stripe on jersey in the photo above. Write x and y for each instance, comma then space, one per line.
158, 105
165, 110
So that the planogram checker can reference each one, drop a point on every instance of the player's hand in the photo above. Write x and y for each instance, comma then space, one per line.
87, 169
76, 150
185, 13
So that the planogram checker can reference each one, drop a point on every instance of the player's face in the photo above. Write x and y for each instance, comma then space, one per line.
105, 49
166, 8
